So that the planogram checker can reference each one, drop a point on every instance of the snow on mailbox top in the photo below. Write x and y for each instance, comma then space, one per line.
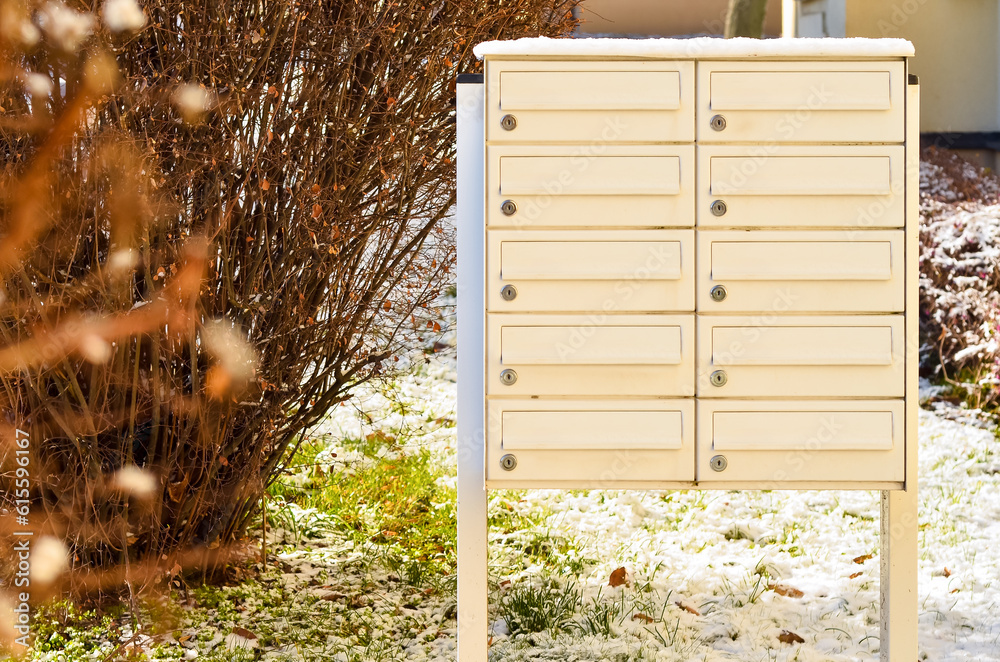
699, 48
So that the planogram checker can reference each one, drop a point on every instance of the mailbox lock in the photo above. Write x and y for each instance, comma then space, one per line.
718, 123
718, 293
508, 293
508, 122
719, 208
508, 462
508, 377
508, 208
718, 463
718, 378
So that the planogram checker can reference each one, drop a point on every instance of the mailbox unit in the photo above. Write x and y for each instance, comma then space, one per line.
691, 264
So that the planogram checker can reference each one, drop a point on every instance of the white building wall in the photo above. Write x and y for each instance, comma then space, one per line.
957, 51
665, 17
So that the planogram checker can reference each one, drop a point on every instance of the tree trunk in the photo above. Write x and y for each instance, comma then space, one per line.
745, 18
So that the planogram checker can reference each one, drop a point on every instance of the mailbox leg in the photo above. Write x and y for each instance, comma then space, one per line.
473, 589
900, 520
898, 577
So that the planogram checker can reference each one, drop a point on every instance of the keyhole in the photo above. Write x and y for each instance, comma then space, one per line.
718, 123
719, 378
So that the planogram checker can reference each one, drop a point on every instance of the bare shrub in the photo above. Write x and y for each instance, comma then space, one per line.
960, 276
215, 220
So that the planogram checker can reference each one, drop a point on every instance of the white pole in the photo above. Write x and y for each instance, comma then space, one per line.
900, 516
789, 9
473, 590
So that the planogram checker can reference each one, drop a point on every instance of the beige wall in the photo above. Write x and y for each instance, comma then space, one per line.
957, 56
665, 17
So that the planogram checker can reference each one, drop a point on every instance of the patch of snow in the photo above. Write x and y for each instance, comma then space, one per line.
706, 550
698, 47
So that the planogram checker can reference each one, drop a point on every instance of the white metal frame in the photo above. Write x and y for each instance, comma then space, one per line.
473, 590
898, 536
899, 515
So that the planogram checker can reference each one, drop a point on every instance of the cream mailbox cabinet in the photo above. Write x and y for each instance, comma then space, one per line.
689, 264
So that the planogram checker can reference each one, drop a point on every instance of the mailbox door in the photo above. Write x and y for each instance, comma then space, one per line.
590, 443
590, 102
635, 186
803, 271
590, 355
824, 102
600, 271
774, 442
767, 186
792, 356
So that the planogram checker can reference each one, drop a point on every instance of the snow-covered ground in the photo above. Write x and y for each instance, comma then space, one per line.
722, 575
708, 575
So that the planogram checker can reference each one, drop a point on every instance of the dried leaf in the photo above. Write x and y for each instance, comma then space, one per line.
862, 559
243, 632
787, 591
946, 572
265, 185
787, 637
688, 608
176, 490
618, 577
856, 575
317, 210
643, 618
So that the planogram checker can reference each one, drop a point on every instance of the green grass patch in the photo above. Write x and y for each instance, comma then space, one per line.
387, 497
65, 631
529, 607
